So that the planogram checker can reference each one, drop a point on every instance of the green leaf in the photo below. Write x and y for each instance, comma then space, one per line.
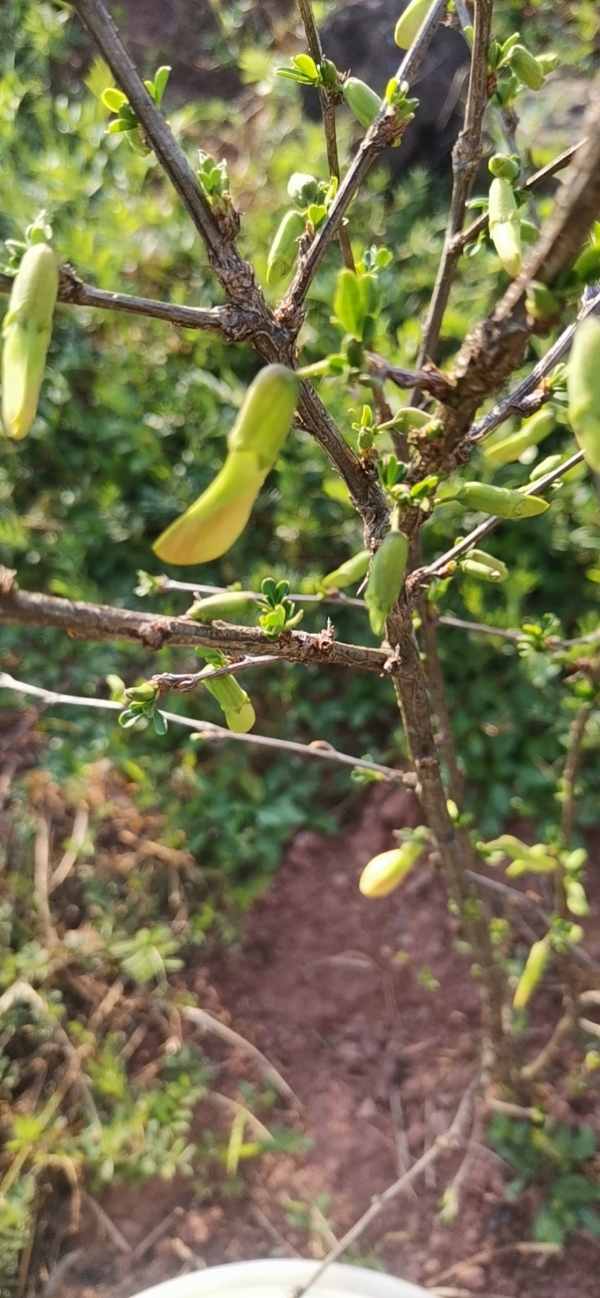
161, 78
348, 304
546, 1228
160, 722
113, 99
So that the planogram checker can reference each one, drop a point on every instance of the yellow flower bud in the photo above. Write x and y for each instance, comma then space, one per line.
211, 525
410, 21
531, 433
348, 573
534, 968
26, 333
384, 872
239, 713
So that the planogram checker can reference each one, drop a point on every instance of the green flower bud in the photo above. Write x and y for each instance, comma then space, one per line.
26, 333
361, 100
385, 578
233, 606
583, 386
303, 189
504, 225
535, 859
548, 62
526, 67
534, 968
506, 168
239, 713
212, 524
284, 248
144, 693
349, 572
384, 872
410, 417
541, 304
531, 433
266, 414
484, 566
410, 21
500, 501
577, 901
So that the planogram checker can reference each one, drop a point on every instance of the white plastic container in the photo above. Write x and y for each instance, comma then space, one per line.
279, 1278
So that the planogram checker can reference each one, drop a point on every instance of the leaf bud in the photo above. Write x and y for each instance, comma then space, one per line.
526, 67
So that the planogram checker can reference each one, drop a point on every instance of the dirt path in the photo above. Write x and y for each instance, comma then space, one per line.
368, 1010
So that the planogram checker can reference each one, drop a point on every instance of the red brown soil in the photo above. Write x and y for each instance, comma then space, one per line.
331, 987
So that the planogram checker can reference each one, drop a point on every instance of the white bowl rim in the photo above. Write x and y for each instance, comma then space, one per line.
287, 1273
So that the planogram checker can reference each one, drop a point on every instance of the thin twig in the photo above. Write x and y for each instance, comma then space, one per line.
380, 135
41, 879
327, 102
450, 1139
168, 583
510, 404
318, 748
207, 1023
108, 1226
78, 836
466, 156
552, 1048
184, 684
72, 290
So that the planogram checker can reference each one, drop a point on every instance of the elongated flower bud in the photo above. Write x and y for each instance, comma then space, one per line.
500, 501
266, 414
409, 22
384, 872
361, 100
347, 573
577, 901
212, 524
485, 568
231, 606
144, 693
525, 858
385, 578
284, 248
526, 67
534, 968
26, 333
504, 225
583, 384
239, 713
531, 433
